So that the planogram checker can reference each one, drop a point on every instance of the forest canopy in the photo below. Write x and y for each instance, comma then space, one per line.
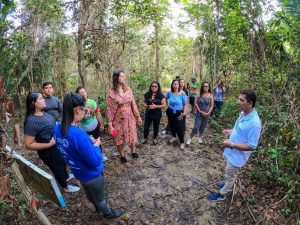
246, 44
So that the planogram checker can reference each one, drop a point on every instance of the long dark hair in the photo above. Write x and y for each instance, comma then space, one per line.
222, 86
78, 89
183, 89
202, 88
221, 82
172, 89
158, 88
30, 104
115, 78
71, 101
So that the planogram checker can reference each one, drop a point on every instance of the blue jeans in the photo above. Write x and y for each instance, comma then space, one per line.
94, 191
200, 124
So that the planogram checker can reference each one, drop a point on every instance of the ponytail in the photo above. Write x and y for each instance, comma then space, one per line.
71, 101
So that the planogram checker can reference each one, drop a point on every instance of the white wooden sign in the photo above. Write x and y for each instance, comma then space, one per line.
38, 179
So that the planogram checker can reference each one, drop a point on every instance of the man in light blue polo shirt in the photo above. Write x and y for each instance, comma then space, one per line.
243, 139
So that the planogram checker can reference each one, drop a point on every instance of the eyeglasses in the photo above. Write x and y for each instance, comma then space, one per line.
205, 86
154, 86
82, 108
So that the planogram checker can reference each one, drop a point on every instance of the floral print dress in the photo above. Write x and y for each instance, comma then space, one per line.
121, 110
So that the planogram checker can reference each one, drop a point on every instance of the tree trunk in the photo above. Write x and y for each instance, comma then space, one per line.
80, 55
216, 57
31, 80
200, 61
157, 52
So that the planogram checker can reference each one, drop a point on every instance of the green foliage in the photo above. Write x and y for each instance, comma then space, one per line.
144, 11
50, 11
6, 6
228, 112
101, 101
253, 53
251, 200
140, 85
3, 206
265, 57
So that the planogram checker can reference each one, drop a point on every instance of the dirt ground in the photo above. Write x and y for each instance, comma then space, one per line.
165, 186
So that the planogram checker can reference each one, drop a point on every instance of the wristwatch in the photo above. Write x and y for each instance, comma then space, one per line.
232, 145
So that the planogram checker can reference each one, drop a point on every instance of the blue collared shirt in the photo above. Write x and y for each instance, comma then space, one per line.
246, 130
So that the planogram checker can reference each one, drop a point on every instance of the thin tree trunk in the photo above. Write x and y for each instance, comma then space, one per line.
200, 62
216, 57
31, 71
80, 55
157, 52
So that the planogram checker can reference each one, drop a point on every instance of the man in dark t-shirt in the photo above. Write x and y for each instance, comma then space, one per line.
53, 105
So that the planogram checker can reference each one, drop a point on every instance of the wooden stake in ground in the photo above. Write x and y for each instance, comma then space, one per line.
26, 191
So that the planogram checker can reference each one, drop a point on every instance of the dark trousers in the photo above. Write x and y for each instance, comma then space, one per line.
52, 158
217, 107
94, 191
148, 121
177, 126
168, 129
95, 133
192, 99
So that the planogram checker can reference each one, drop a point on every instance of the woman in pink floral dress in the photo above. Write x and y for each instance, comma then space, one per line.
121, 110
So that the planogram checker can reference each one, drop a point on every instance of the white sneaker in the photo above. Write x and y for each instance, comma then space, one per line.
189, 141
164, 132
72, 188
200, 140
172, 139
104, 158
182, 146
71, 176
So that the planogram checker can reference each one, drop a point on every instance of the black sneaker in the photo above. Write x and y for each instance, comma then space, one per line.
123, 160
114, 213
135, 155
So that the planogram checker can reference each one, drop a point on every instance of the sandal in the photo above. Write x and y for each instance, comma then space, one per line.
144, 141
155, 141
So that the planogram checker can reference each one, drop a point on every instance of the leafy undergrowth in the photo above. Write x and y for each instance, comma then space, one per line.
13, 207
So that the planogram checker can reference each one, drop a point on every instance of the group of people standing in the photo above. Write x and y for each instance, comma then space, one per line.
69, 133
176, 101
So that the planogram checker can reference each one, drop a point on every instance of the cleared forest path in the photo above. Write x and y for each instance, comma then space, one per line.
165, 186
168, 185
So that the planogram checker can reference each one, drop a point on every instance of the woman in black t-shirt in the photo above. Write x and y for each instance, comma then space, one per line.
154, 101
38, 136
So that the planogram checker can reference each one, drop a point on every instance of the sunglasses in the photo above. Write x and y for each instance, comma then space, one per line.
205, 86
